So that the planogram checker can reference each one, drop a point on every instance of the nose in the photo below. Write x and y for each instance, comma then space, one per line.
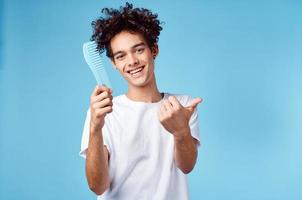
132, 60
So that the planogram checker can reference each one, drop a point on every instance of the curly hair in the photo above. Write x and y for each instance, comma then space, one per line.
127, 18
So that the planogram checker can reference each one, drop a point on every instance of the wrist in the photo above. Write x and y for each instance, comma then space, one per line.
182, 134
94, 128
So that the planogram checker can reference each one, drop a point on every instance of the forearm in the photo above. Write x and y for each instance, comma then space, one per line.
97, 163
185, 152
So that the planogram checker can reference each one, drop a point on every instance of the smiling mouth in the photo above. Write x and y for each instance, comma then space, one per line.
135, 71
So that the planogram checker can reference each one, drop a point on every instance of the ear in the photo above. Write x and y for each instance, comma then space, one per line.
154, 50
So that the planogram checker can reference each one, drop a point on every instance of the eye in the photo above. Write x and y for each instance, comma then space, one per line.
140, 50
119, 57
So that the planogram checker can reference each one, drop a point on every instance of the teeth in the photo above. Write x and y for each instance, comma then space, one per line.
136, 70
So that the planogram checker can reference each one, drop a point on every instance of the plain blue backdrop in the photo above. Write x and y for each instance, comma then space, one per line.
242, 57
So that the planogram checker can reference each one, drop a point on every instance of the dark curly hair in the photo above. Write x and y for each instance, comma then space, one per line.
136, 20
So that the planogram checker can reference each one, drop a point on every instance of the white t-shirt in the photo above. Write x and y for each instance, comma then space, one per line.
141, 164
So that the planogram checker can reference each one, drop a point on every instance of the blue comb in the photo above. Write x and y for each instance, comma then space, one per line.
95, 63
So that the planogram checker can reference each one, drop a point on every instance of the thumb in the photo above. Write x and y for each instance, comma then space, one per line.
193, 104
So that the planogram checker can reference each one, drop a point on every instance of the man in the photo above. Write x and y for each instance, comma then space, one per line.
139, 145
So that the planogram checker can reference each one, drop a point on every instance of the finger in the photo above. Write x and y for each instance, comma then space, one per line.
175, 103
102, 96
108, 109
193, 103
99, 89
110, 89
159, 113
102, 104
103, 111
162, 109
104, 88
162, 113
96, 91
168, 106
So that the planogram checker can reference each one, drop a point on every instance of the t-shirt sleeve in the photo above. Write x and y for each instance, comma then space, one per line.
85, 136
194, 123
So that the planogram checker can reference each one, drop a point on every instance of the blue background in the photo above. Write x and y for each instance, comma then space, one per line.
242, 57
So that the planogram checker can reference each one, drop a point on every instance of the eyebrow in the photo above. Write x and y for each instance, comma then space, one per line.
134, 46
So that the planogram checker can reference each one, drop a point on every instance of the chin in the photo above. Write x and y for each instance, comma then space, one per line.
138, 83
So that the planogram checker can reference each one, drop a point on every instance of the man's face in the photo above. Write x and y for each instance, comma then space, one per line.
133, 58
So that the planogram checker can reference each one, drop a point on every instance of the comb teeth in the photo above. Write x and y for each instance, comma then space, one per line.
94, 60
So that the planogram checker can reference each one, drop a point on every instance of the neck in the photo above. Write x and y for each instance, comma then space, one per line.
147, 94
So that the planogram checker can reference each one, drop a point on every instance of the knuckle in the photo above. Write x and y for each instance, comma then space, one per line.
108, 100
108, 109
105, 93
